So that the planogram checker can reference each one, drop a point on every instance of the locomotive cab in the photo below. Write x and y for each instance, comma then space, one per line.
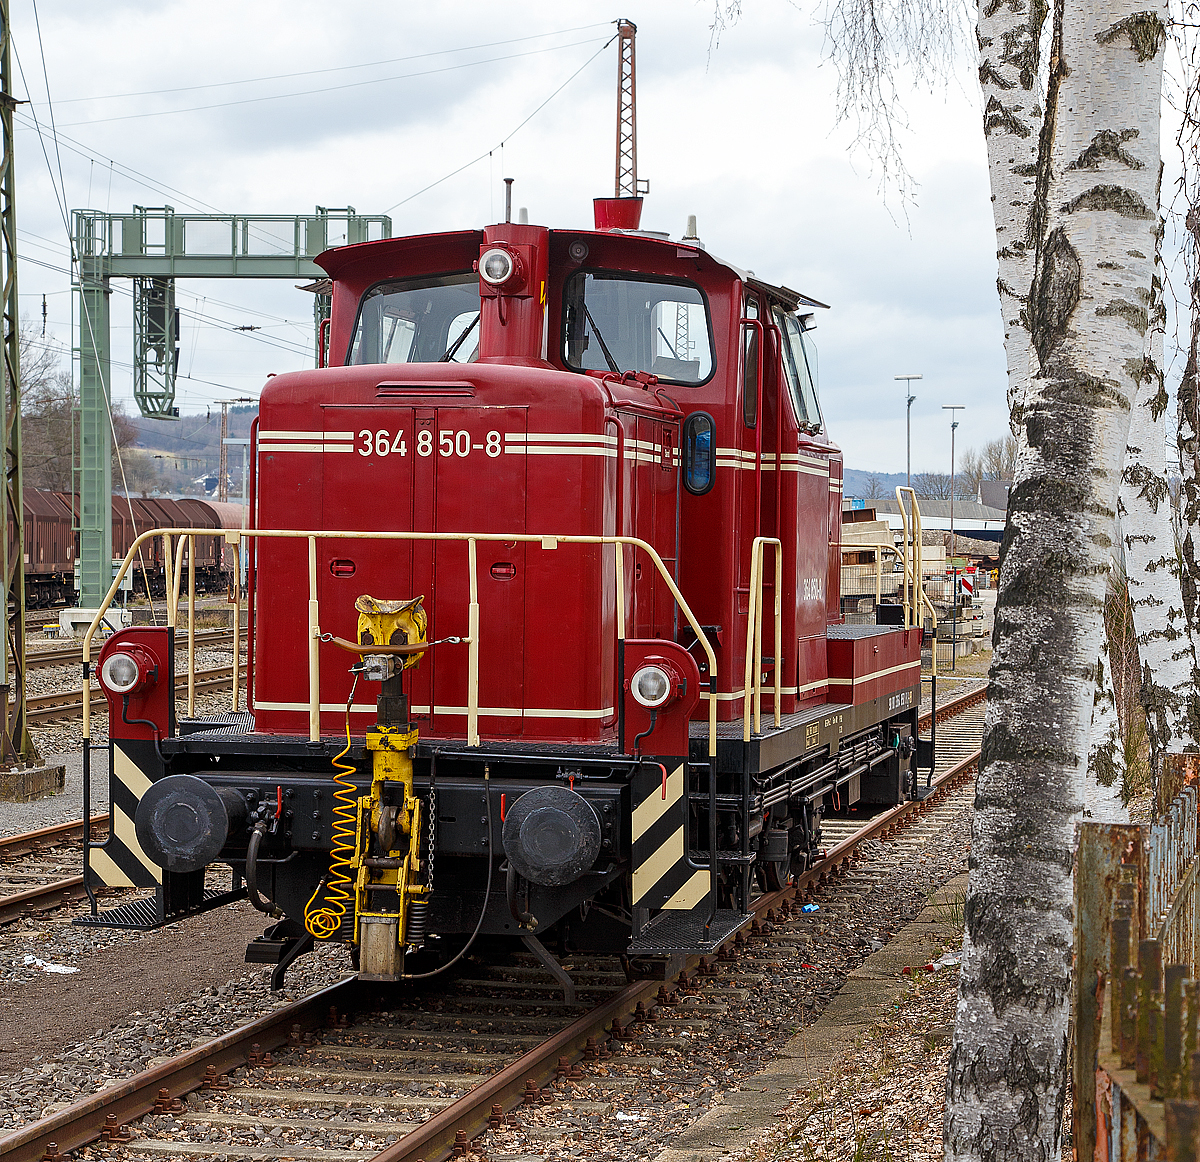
543, 618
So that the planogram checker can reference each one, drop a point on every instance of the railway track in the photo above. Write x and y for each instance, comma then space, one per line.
73, 655
68, 704
34, 867
356, 1072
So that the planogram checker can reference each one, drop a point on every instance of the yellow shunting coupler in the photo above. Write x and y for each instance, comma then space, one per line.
390, 898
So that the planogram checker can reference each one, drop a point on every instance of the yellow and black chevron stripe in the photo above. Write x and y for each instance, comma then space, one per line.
662, 877
121, 862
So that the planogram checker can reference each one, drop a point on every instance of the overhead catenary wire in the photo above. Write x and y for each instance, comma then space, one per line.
59, 189
508, 136
63, 140
60, 194
334, 69
49, 108
327, 88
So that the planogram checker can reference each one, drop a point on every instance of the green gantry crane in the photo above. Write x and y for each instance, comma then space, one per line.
153, 246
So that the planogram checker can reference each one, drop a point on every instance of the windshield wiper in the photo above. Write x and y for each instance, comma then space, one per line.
453, 349
612, 363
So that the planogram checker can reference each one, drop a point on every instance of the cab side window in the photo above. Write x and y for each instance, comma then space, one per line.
699, 453
750, 363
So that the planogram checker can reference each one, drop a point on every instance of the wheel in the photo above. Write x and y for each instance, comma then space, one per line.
776, 874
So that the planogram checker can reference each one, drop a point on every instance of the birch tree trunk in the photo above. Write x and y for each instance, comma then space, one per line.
1009, 36
1188, 438
1103, 800
1165, 645
1087, 311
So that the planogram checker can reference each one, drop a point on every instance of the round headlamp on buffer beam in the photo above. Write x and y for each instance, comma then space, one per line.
657, 684
129, 671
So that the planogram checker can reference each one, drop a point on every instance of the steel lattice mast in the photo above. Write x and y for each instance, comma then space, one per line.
626, 183
17, 745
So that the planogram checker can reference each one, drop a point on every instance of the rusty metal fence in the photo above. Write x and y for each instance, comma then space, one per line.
1137, 996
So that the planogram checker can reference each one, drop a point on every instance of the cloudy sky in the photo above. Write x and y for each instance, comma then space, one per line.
277, 107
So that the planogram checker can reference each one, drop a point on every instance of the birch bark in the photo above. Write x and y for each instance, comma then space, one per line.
1165, 646
1087, 313
1102, 800
1009, 35
1188, 438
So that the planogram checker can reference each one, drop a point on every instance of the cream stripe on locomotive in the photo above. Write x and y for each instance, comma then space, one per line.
662, 876
859, 679
734, 695
306, 447
484, 711
122, 863
585, 444
559, 438
745, 460
294, 441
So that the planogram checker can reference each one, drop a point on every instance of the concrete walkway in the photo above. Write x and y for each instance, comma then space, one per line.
815, 1052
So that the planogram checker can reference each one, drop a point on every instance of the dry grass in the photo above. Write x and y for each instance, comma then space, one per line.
885, 1102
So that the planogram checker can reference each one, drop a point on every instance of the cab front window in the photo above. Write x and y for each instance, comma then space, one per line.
625, 322
800, 371
423, 320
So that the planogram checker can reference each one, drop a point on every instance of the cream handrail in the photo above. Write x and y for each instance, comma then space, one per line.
192, 629
233, 537
754, 636
473, 648
879, 547
920, 597
314, 646
175, 578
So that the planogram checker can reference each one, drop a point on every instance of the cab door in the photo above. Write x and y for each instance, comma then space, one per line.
466, 484
366, 486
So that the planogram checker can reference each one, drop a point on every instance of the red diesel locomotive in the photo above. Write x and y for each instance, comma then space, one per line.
543, 618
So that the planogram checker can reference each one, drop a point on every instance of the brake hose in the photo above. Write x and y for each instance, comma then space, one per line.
268, 906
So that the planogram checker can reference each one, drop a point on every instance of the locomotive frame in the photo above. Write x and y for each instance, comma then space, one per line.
580, 764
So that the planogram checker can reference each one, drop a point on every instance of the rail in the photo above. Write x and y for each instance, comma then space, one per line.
198, 1068
173, 560
1136, 1087
753, 683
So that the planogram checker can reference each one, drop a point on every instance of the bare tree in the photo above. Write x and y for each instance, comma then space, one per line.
938, 486
873, 488
999, 458
1074, 161
996, 460
1094, 207
1188, 395
47, 406
48, 427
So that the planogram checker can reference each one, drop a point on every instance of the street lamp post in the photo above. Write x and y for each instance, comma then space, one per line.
952, 408
908, 391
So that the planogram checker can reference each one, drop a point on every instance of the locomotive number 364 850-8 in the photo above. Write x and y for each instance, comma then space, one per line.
449, 443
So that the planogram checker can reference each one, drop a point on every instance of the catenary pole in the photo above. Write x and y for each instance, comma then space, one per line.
17, 745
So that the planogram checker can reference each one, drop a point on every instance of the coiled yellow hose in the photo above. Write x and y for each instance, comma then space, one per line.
323, 923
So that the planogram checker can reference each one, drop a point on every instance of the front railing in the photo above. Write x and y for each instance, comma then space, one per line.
173, 557
1137, 999
753, 682
918, 606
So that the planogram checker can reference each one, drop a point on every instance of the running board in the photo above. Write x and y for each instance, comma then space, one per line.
682, 933
148, 913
